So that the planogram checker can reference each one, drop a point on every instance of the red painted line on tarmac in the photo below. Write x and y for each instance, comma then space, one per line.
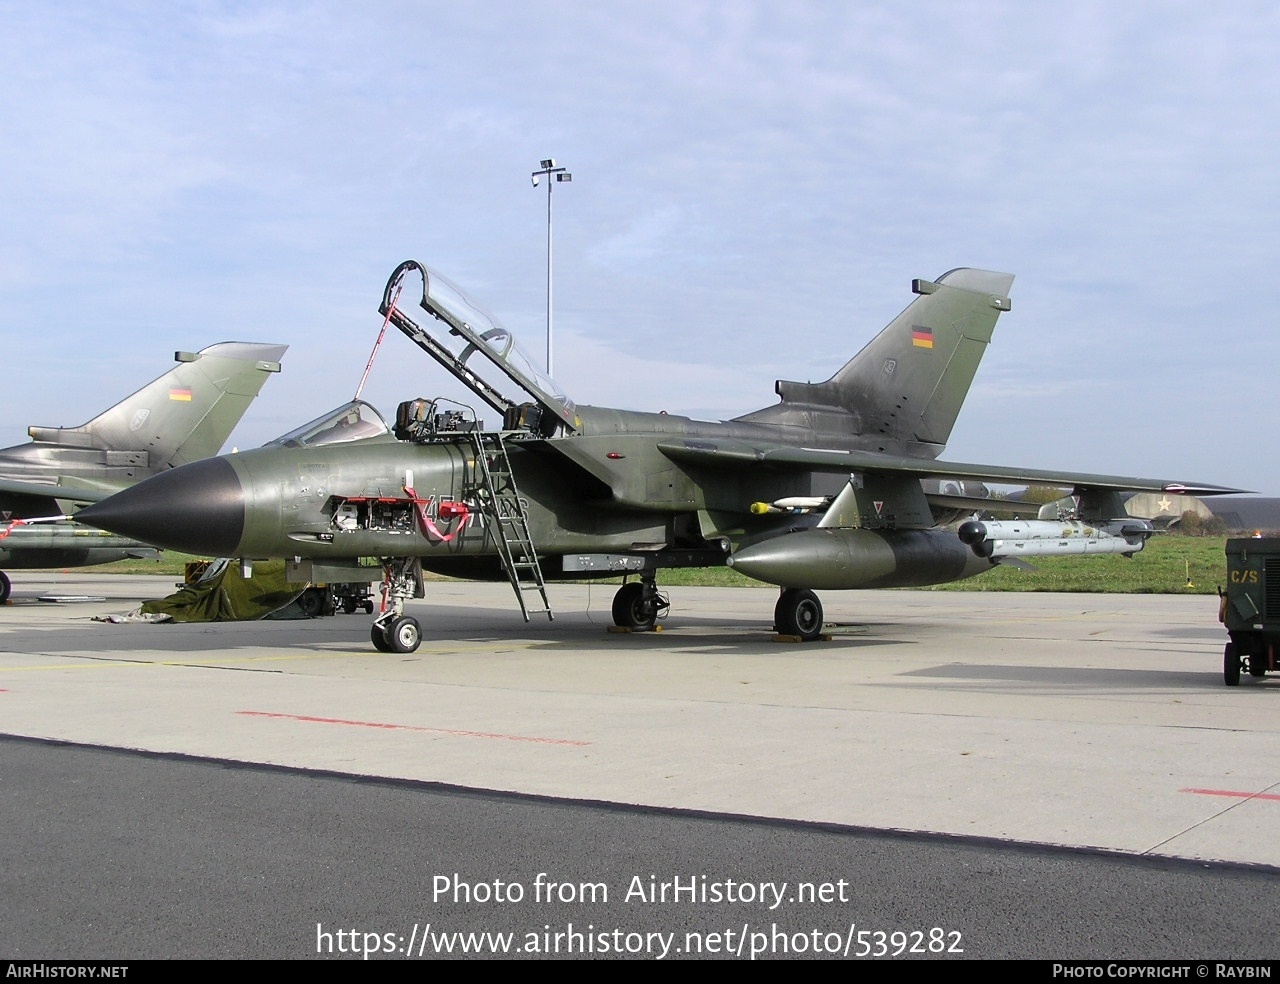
1232, 793
410, 727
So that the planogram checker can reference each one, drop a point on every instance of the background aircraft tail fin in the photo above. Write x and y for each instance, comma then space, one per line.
185, 415
904, 390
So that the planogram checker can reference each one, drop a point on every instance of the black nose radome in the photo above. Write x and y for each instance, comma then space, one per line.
198, 508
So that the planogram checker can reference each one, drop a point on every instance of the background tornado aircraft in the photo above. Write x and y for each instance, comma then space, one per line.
186, 414
822, 490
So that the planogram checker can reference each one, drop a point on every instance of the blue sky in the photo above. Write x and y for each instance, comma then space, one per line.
754, 187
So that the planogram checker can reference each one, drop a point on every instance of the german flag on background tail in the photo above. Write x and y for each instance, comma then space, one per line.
922, 337
180, 393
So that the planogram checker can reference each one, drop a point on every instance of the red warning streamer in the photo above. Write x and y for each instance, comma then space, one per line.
12, 526
447, 510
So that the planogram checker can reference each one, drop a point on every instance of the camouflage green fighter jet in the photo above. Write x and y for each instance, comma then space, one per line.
822, 490
185, 415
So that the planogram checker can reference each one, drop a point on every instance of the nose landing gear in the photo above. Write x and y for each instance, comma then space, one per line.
393, 631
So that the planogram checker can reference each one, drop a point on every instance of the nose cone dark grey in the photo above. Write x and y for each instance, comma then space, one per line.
198, 508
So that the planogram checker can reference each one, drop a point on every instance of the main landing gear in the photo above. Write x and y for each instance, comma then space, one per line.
798, 613
393, 631
638, 605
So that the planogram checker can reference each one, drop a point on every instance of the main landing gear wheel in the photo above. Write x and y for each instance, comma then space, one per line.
311, 602
636, 606
5, 587
798, 613
1231, 665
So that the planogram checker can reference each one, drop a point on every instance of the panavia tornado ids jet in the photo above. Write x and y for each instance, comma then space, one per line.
822, 490
186, 414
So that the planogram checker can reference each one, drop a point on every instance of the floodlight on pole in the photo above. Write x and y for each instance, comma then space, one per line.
553, 175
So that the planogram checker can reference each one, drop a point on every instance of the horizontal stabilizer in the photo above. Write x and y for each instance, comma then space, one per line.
43, 491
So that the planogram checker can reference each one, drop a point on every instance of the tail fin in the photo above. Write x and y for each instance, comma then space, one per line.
904, 390
185, 415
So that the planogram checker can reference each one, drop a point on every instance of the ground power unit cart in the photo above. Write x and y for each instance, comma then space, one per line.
1249, 607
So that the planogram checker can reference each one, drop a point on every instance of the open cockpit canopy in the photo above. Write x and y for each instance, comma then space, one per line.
516, 390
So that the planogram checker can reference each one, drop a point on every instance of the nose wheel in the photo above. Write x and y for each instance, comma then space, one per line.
401, 634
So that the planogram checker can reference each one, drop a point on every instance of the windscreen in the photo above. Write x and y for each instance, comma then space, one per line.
349, 422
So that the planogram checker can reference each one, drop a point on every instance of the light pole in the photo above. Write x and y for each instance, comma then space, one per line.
553, 174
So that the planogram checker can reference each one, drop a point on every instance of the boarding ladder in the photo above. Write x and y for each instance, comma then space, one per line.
500, 501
